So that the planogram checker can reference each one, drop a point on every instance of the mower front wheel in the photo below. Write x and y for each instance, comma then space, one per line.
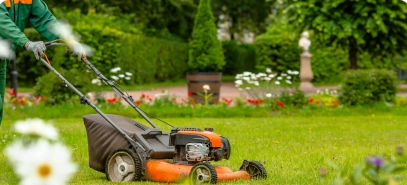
203, 173
255, 169
123, 165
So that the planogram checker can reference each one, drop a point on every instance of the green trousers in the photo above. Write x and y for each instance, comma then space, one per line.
3, 74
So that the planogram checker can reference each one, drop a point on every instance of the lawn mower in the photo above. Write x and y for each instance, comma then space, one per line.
126, 150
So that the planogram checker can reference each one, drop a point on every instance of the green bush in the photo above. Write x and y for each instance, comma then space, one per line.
238, 57
365, 87
278, 49
205, 50
148, 59
152, 59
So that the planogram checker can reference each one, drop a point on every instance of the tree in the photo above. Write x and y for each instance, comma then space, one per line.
205, 53
244, 15
378, 27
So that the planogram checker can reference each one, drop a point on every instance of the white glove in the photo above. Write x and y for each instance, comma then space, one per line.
37, 47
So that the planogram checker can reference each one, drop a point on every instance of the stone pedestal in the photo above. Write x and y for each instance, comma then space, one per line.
306, 72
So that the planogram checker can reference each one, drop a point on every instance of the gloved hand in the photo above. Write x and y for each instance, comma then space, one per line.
37, 47
77, 49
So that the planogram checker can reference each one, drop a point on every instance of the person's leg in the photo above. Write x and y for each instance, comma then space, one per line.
3, 73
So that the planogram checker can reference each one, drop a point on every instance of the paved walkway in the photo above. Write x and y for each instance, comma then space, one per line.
227, 90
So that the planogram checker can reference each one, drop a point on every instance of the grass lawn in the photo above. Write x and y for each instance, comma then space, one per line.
292, 149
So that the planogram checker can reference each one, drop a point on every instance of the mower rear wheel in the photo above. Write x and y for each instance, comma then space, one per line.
123, 165
203, 173
255, 169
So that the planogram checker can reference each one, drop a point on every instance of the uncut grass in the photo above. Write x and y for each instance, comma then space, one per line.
291, 149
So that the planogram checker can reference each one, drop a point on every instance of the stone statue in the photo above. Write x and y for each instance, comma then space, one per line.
304, 42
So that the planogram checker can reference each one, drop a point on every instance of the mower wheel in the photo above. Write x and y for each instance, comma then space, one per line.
123, 165
255, 169
203, 173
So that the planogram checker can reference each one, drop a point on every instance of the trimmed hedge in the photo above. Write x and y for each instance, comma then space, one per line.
238, 57
149, 59
365, 87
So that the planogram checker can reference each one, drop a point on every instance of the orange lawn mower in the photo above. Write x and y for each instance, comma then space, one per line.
126, 150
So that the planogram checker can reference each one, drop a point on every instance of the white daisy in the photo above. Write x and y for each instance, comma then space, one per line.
268, 70
41, 163
269, 95
247, 73
238, 82
277, 82
115, 70
121, 75
36, 127
128, 73
96, 81
127, 78
114, 77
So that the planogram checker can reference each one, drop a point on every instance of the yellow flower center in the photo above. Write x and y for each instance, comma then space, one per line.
44, 170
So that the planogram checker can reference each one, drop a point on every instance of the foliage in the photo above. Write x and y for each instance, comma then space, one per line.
149, 59
278, 49
323, 99
376, 170
243, 16
376, 27
152, 59
205, 50
364, 87
51, 86
238, 57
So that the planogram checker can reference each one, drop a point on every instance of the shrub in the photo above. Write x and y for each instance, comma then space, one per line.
238, 57
278, 49
205, 50
365, 87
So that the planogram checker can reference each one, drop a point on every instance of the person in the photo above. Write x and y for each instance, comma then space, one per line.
14, 16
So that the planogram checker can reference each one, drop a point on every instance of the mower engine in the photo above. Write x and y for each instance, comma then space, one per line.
192, 145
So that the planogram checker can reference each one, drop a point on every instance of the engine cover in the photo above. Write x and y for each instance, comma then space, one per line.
197, 152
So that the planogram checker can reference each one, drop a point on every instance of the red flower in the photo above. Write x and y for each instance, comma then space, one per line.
190, 94
281, 104
228, 101
143, 95
317, 102
22, 101
44, 98
11, 92
138, 102
111, 100
310, 100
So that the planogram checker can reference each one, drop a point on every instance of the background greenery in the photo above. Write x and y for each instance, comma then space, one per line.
150, 39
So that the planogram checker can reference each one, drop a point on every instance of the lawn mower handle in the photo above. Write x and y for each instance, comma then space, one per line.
126, 97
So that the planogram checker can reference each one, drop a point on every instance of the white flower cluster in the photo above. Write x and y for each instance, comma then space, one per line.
126, 75
327, 92
37, 160
249, 78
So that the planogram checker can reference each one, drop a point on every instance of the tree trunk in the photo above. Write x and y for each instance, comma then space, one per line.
353, 55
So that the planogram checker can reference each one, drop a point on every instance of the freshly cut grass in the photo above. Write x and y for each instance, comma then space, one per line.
292, 149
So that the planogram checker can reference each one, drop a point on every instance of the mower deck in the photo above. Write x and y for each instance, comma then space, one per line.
165, 172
